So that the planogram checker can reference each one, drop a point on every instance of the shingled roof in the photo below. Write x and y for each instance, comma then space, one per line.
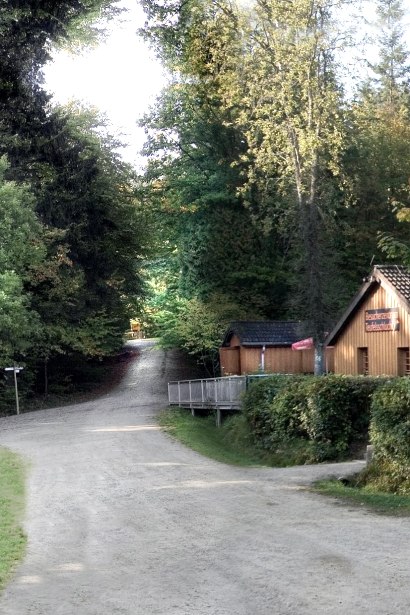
395, 278
399, 279
264, 332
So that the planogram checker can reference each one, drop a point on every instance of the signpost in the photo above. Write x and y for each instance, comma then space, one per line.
16, 370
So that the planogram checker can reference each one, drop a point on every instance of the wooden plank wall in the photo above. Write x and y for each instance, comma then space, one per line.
247, 360
382, 345
277, 360
229, 361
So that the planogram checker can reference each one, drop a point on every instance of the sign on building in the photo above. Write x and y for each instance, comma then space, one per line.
382, 319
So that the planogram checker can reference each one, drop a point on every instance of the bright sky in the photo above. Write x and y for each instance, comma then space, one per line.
121, 77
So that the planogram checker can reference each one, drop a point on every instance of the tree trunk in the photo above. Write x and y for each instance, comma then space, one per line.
319, 368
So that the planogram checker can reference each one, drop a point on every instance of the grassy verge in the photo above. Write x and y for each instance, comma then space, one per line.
12, 538
378, 501
202, 435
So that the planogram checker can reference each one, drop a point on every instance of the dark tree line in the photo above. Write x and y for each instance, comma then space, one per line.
73, 233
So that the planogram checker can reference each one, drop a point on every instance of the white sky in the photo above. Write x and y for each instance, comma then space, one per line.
121, 77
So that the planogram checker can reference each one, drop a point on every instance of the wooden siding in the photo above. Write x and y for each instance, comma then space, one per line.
229, 360
247, 360
277, 360
382, 346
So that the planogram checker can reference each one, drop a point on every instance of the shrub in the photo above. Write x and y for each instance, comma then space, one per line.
326, 416
390, 429
331, 412
361, 389
257, 407
285, 413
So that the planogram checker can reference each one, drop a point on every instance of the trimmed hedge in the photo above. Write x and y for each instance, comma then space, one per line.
256, 406
390, 435
390, 428
330, 413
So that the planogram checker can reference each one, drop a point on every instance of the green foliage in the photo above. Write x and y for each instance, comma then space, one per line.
257, 406
12, 493
21, 247
319, 418
390, 428
197, 327
202, 435
71, 229
369, 496
326, 416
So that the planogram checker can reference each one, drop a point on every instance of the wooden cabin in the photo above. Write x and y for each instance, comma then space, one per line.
265, 346
373, 335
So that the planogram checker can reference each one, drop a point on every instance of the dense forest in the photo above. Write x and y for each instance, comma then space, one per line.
267, 192
278, 180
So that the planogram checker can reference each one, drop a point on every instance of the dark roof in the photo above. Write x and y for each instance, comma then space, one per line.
399, 279
264, 332
393, 277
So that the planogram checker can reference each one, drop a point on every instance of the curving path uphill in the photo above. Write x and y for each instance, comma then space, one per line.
123, 520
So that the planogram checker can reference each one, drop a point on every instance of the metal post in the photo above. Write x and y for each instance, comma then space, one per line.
15, 371
17, 391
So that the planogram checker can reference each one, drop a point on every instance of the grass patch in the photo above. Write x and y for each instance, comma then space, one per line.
201, 434
12, 494
377, 501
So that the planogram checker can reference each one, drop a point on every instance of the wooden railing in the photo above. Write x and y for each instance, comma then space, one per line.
210, 393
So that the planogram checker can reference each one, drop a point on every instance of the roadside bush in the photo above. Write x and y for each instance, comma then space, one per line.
361, 389
257, 407
390, 435
390, 426
285, 412
326, 416
332, 413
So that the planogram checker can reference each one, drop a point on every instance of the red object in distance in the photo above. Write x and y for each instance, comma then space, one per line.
306, 344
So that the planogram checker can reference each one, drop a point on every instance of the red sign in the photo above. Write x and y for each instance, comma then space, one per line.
382, 319
306, 344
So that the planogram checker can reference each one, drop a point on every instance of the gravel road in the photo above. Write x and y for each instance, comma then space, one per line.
121, 519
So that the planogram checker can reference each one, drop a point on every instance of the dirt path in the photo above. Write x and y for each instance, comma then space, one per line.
123, 520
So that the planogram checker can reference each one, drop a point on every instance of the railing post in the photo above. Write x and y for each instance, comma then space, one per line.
179, 392
202, 392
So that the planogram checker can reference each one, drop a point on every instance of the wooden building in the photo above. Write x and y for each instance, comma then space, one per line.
373, 335
265, 346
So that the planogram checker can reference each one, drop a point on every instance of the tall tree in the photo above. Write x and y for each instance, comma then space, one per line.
378, 160
195, 170
292, 116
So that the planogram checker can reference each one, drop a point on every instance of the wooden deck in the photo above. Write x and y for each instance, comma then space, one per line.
221, 394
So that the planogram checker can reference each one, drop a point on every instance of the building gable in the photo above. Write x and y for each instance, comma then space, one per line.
394, 279
373, 336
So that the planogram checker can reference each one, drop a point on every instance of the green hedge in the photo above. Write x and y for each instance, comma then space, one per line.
329, 413
256, 406
390, 435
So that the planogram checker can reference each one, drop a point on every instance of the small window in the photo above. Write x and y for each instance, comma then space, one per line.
363, 361
403, 361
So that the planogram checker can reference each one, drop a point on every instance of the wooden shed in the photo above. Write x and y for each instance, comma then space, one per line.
373, 335
264, 346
